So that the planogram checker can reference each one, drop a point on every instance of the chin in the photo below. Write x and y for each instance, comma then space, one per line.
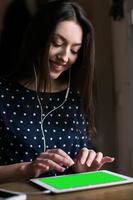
54, 76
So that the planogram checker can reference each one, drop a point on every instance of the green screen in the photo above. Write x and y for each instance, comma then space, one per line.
81, 180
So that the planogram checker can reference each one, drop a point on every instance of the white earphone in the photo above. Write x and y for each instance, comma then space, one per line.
42, 113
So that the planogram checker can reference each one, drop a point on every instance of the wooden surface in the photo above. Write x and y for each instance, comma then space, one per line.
123, 192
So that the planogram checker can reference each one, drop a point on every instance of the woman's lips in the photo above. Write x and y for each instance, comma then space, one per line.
55, 67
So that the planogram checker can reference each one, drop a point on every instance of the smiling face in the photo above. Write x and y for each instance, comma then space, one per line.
64, 47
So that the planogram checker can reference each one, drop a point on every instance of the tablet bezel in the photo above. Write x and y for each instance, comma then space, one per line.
55, 190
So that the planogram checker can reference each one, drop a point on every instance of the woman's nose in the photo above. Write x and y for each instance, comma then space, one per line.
63, 56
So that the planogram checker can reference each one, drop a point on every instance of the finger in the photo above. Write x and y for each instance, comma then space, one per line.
53, 166
61, 153
57, 158
98, 165
35, 169
91, 157
49, 164
107, 159
99, 157
41, 166
82, 156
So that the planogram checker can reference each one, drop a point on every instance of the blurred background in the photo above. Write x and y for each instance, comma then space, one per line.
113, 23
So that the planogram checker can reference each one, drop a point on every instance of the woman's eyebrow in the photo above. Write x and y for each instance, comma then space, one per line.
64, 39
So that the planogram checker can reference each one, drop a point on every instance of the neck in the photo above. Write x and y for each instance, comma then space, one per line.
53, 86
56, 86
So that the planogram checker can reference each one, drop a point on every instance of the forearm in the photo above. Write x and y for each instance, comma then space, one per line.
14, 172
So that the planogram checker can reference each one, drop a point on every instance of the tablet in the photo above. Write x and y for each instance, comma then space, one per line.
82, 181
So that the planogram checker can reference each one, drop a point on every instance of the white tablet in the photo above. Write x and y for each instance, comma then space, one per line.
82, 181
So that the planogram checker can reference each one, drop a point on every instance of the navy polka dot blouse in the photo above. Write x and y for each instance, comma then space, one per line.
21, 138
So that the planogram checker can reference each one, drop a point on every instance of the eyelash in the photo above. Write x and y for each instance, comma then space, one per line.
74, 52
55, 44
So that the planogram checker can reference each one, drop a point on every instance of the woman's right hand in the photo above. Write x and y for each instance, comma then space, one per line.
52, 159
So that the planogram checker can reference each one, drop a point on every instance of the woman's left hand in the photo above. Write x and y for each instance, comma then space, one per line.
89, 160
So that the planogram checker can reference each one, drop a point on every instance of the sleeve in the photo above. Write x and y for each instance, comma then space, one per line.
83, 127
1, 142
0, 128
85, 139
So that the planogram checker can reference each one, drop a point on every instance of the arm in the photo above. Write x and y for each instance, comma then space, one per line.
53, 159
14, 172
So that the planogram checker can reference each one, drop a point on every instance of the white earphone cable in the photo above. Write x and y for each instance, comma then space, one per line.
42, 113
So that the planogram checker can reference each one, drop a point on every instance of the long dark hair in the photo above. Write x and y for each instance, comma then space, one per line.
36, 45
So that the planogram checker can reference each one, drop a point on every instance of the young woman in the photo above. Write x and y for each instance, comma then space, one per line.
47, 106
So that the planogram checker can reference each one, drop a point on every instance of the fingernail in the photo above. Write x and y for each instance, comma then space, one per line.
82, 162
62, 169
88, 164
72, 163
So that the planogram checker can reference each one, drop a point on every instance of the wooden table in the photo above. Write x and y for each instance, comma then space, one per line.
123, 192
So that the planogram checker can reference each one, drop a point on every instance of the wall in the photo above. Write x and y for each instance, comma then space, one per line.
114, 69
130, 60
3, 7
122, 33
120, 49
106, 140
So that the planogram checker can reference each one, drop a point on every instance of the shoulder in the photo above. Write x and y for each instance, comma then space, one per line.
8, 88
3, 83
75, 94
6, 84
9, 85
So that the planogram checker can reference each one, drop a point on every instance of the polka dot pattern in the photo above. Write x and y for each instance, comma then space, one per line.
21, 138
